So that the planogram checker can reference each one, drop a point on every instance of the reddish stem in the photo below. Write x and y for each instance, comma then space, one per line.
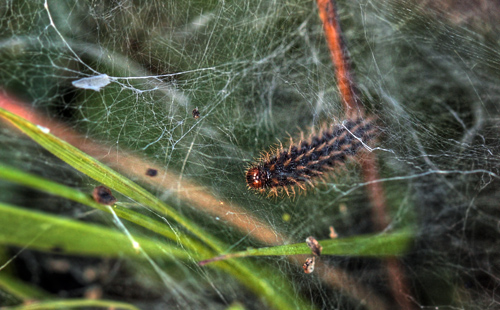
340, 57
354, 108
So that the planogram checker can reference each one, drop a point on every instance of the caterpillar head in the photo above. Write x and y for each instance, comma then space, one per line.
257, 177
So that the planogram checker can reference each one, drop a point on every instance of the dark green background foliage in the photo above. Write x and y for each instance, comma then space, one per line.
259, 71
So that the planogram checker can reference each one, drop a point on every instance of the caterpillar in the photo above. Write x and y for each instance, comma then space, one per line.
285, 169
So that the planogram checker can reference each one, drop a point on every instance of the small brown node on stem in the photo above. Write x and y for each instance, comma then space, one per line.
314, 245
309, 264
103, 195
151, 172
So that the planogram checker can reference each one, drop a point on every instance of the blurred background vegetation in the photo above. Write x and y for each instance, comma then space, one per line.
259, 71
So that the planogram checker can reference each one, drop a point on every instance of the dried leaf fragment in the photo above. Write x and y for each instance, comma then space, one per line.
309, 265
314, 245
103, 195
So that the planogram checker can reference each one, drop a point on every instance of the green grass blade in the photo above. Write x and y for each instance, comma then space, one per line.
21, 290
275, 289
25, 228
36, 230
47, 186
105, 175
380, 245
74, 303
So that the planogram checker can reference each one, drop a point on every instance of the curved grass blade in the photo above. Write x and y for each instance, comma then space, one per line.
36, 230
74, 303
275, 289
105, 175
25, 228
21, 290
380, 245
47, 186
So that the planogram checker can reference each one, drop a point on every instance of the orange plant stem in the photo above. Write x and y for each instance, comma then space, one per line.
353, 108
340, 58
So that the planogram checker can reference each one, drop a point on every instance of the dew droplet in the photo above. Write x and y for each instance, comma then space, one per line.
43, 129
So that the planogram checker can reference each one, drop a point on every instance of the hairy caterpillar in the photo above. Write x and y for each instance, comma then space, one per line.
284, 169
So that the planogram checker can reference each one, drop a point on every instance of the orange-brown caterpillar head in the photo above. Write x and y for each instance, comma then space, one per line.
257, 177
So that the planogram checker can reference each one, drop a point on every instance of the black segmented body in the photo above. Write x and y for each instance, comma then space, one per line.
302, 163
